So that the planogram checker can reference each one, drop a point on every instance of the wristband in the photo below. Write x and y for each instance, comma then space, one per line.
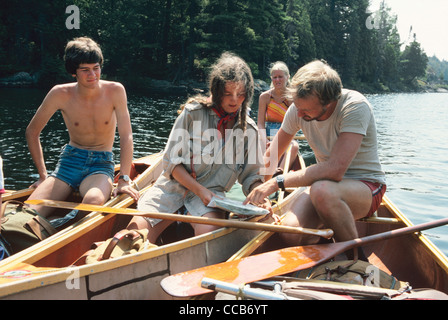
281, 182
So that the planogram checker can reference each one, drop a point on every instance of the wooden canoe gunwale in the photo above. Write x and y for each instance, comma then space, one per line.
57, 275
432, 249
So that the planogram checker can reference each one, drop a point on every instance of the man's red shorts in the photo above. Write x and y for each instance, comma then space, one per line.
378, 191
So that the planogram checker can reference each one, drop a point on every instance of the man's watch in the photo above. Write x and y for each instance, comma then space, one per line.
124, 177
281, 182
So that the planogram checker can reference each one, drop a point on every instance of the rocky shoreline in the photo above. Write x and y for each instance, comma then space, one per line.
26, 80
429, 89
19, 80
189, 87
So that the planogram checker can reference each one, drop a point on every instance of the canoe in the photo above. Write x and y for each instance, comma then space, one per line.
47, 273
144, 172
419, 267
140, 174
412, 259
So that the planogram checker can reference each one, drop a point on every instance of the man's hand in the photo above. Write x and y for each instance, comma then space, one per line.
38, 182
260, 194
124, 187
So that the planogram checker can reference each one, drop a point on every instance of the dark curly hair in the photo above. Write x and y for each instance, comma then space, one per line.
228, 68
82, 50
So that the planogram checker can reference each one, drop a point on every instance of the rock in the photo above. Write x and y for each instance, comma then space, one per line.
20, 79
260, 86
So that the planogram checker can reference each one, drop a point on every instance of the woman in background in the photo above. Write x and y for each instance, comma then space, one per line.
272, 107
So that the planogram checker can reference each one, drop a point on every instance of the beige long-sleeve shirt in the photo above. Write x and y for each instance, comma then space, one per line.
196, 143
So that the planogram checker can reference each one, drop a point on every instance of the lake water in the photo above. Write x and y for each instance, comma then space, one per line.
412, 132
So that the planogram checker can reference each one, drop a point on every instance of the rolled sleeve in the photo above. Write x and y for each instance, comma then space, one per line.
290, 122
177, 150
253, 163
249, 181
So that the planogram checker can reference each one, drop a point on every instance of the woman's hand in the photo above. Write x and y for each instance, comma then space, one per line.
205, 195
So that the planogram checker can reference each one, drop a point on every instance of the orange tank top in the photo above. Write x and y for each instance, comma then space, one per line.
275, 112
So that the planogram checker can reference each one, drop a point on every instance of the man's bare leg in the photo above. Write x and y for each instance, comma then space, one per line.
339, 204
138, 223
53, 189
96, 189
304, 216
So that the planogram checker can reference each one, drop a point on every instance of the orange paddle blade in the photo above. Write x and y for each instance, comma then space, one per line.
249, 269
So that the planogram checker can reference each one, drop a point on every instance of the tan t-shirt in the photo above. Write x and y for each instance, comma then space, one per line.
353, 113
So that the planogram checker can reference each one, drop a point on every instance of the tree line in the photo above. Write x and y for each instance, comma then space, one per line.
177, 40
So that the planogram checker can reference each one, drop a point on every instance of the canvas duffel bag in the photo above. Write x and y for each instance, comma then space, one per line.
21, 227
353, 272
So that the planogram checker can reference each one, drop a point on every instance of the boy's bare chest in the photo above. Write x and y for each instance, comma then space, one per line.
95, 114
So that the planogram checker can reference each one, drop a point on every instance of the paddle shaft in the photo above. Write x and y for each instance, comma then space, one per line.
326, 233
393, 233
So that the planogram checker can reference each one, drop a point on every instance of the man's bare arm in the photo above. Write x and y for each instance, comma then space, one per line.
46, 110
276, 149
126, 140
344, 151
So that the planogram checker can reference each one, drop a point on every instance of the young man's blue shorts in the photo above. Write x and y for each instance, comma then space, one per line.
77, 164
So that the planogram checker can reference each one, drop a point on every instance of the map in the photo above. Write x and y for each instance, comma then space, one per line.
237, 207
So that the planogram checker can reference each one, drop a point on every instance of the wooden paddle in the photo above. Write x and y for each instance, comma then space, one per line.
274, 263
326, 233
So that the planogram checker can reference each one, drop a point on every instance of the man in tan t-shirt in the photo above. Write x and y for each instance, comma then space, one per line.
347, 182
92, 110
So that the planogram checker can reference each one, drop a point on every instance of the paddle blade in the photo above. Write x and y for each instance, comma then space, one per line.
249, 269
274, 263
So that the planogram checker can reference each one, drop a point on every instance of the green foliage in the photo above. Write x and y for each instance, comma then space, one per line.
178, 40
413, 62
437, 71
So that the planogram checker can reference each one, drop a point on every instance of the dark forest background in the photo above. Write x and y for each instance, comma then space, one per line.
177, 40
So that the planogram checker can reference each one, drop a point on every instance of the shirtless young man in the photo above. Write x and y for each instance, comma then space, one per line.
92, 110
